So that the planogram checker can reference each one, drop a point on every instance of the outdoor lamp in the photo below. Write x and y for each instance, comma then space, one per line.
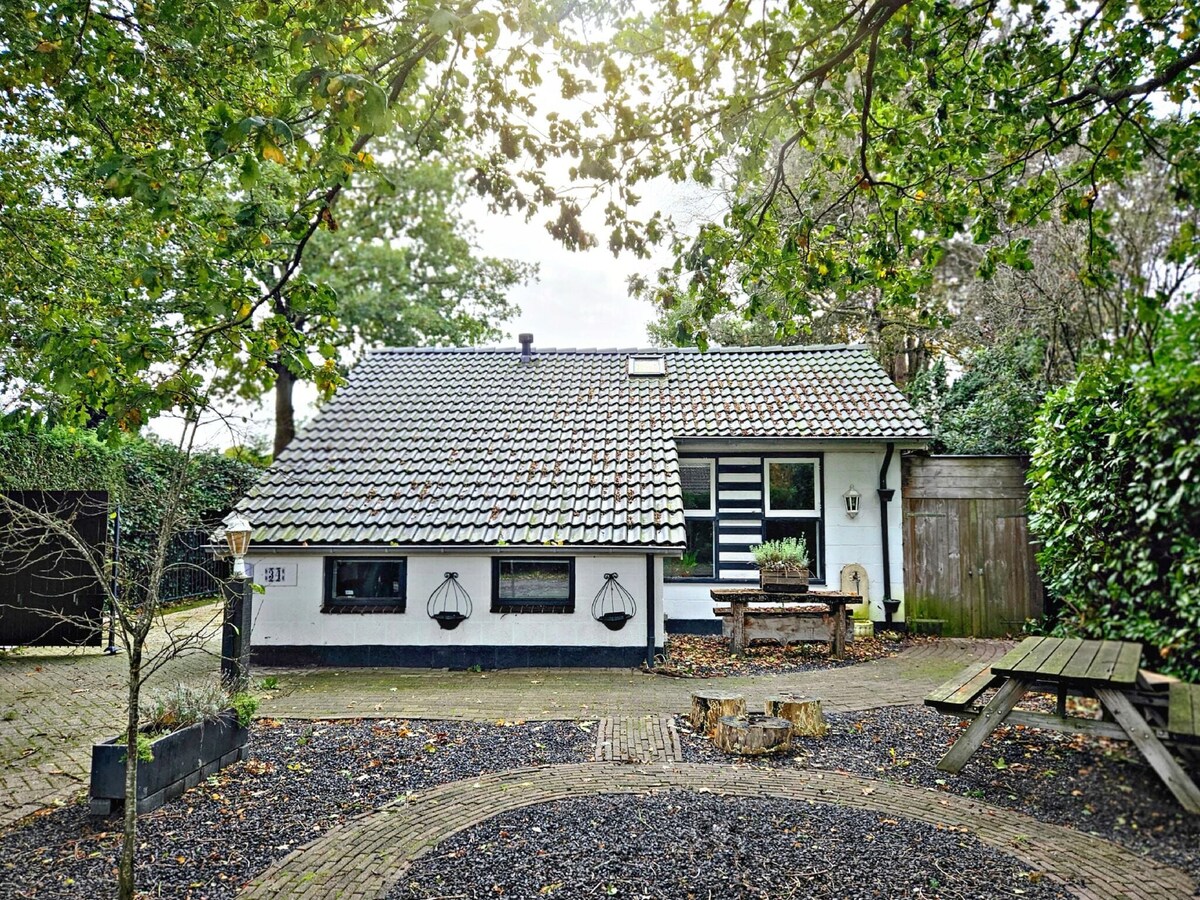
851, 497
237, 535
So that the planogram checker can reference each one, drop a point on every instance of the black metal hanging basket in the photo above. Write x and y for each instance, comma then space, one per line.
613, 606
449, 605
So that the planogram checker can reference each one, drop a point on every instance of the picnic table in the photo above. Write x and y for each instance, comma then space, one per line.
1143, 709
740, 598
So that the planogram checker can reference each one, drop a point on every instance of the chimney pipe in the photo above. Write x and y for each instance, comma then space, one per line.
526, 347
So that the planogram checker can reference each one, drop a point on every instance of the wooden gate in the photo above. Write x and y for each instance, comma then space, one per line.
967, 554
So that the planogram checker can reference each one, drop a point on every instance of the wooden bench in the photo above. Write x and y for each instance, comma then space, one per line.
809, 623
1183, 710
960, 692
1106, 670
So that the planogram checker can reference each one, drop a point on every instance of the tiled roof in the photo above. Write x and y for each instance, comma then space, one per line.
476, 447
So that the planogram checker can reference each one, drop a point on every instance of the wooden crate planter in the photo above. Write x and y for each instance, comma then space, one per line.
181, 759
778, 582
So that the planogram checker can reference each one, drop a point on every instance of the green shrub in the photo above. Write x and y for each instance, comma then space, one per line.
990, 407
1115, 499
182, 705
787, 555
245, 705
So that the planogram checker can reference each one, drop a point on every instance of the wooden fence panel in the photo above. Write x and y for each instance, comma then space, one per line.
968, 558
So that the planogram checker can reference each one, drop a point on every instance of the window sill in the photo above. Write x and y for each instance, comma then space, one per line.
540, 608
364, 609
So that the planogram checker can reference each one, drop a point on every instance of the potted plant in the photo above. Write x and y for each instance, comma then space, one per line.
188, 734
782, 565
684, 566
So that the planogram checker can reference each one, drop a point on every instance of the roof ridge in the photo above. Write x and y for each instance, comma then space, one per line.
601, 351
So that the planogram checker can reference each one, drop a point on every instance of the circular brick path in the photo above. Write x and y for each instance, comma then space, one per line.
366, 856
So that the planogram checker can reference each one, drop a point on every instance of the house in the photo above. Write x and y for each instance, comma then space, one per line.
527, 507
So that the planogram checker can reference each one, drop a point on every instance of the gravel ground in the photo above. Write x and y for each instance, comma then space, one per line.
699, 656
301, 779
1098, 786
684, 845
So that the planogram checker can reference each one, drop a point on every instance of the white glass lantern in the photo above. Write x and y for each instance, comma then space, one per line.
852, 497
237, 536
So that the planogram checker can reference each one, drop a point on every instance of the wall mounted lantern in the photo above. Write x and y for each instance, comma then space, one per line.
237, 536
852, 498
613, 606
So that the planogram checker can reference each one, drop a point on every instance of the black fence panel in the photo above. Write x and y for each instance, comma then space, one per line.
192, 571
49, 594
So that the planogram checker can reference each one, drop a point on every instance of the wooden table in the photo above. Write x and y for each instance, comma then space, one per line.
739, 598
1106, 670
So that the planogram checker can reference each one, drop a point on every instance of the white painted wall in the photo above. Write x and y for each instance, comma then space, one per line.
290, 615
846, 540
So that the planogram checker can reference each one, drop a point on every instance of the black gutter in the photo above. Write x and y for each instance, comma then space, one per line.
885, 495
650, 586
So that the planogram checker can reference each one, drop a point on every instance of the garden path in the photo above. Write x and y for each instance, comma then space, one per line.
56, 702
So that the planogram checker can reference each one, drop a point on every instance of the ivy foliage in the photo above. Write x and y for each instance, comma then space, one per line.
138, 473
991, 407
1116, 497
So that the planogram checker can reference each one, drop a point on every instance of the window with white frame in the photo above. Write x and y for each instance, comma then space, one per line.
698, 479
794, 505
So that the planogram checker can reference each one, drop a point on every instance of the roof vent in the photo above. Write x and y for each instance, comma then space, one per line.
526, 347
643, 366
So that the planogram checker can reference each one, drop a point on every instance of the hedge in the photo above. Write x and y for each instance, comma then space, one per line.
1115, 499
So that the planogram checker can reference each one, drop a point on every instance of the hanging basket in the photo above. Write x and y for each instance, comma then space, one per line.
613, 606
614, 621
449, 605
449, 620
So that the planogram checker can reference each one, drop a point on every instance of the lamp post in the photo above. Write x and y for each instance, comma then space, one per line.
239, 596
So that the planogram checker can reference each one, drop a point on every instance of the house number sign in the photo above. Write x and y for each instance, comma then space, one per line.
276, 574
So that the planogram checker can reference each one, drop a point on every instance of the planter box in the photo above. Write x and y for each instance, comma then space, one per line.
181, 760
781, 583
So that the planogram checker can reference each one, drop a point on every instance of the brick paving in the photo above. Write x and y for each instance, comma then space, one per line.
365, 857
56, 702
639, 740
538, 694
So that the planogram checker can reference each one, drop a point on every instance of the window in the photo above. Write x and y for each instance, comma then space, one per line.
365, 585
793, 487
533, 585
697, 560
810, 530
696, 479
794, 506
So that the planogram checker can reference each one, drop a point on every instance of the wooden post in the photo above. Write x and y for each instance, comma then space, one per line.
839, 629
753, 735
737, 637
235, 633
709, 706
803, 712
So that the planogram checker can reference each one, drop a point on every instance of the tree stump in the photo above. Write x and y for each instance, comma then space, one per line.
803, 712
753, 735
709, 706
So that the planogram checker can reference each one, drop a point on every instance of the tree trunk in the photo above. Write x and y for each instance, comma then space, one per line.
753, 735
125, 882
803, 712
285, 410
709, 706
